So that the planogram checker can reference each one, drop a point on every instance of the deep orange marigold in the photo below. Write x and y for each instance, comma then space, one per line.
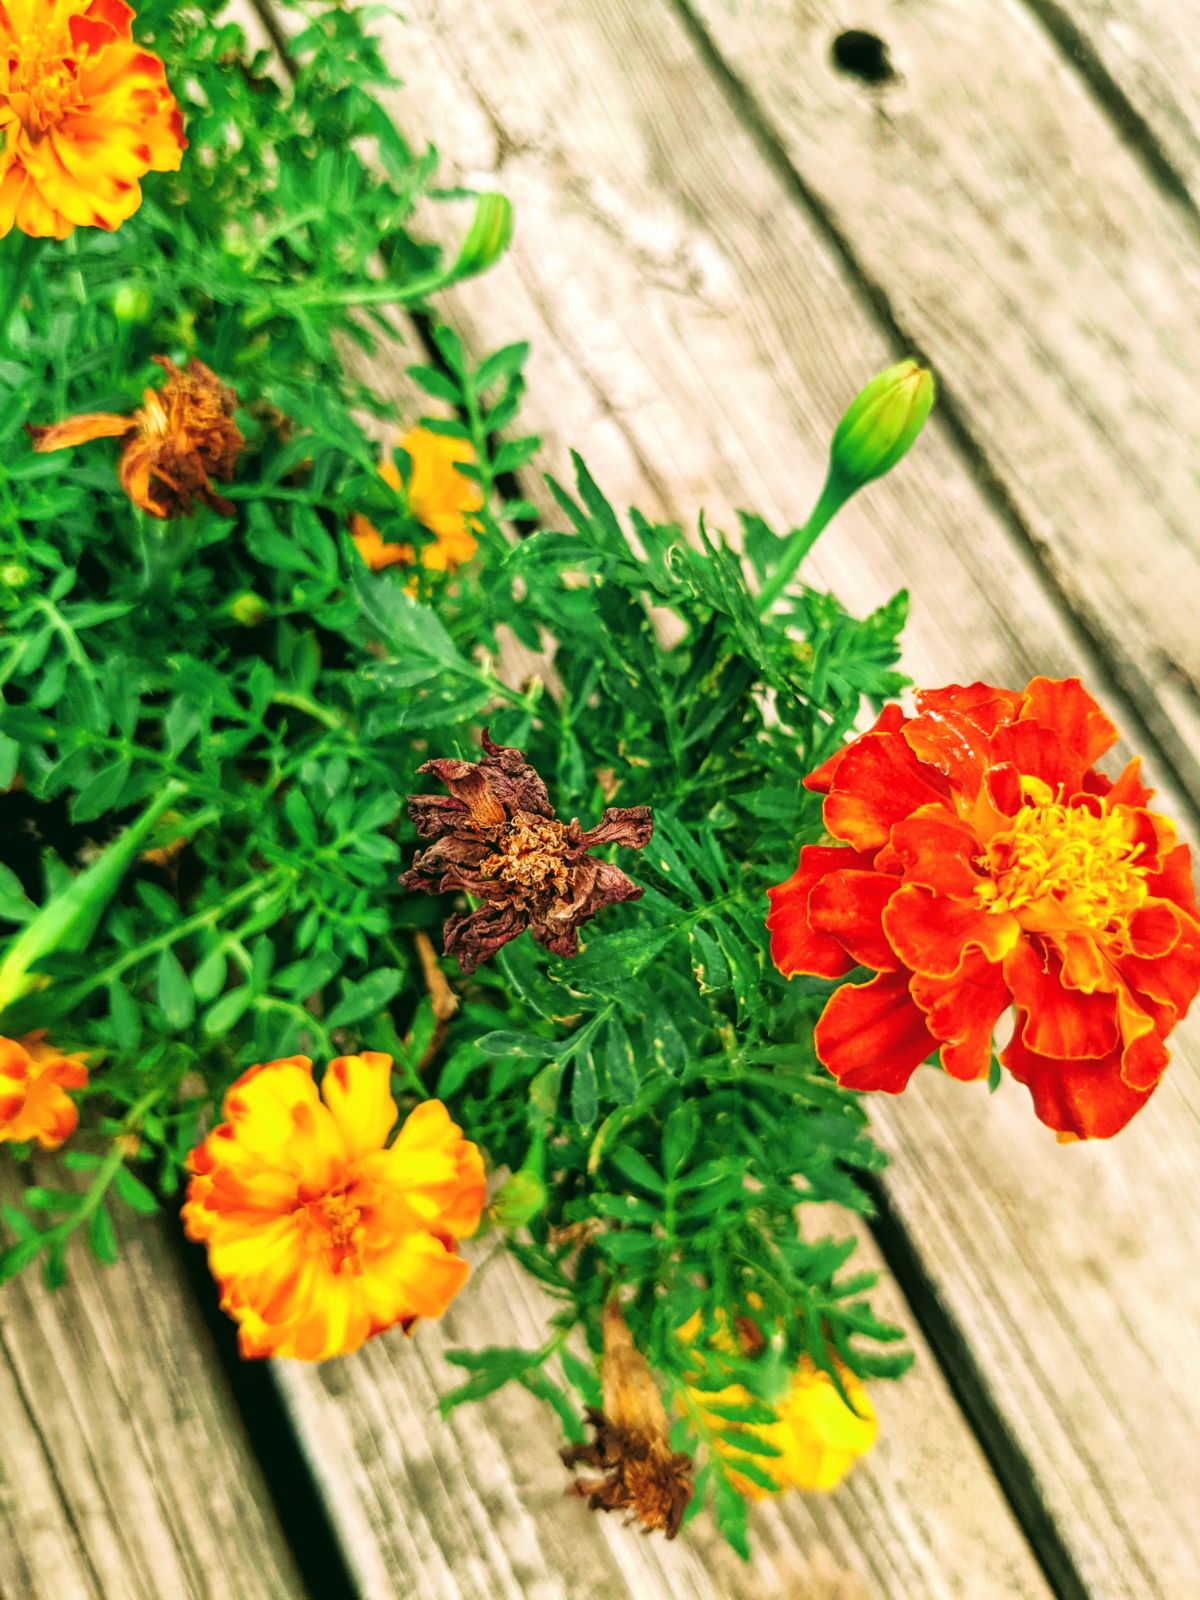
440, 498
982, 861
182, 437
319, 1232
34, 1079
84, 115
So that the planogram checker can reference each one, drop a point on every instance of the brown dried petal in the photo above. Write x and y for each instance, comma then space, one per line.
631, 826
475, 936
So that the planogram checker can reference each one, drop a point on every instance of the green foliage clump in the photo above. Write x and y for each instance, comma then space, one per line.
255, 704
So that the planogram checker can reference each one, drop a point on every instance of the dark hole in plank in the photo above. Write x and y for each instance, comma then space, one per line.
862, 55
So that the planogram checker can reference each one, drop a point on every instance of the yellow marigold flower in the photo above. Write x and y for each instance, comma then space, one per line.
84, 114
319, 1233
34, 1104
180, 439
439, 498
818, 1436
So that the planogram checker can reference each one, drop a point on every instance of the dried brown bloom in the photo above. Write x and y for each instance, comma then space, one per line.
181, 438
641, 1473
496, 837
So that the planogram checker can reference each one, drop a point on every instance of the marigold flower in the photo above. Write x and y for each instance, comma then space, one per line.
982, 861
84, 114
183, 436
34, 1079
641, 1473
818, 1436
497, 837
439, 497
319, 1232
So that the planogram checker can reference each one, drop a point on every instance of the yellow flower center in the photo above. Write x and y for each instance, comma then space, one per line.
43, 83
1062, 866
531, 855
341, 1221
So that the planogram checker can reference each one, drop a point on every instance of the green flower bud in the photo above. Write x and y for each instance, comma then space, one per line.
487, 238
248, 608
881, 424
131, 303
520, 1199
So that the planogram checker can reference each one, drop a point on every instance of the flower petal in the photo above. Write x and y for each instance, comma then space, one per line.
1059, 1022
848, 906
358, 1092
878, 783
873, 1035
931, 932
890, 720
938, 852
962, 1011
796, 946
1087, 1099
1065, 706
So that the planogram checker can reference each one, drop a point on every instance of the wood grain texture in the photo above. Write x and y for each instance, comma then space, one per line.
473, 1509
695, 332
995, 210
125, 1471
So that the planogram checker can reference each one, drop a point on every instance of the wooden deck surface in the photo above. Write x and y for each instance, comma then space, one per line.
719, 233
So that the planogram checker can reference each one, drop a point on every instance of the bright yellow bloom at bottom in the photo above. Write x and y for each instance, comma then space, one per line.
818, 1436
318, 1232
34, 1104
439, 497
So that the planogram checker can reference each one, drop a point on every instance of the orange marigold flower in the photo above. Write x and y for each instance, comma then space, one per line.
84, 114
439, 497
34, 1079
982, 861
183, 436
320, 1233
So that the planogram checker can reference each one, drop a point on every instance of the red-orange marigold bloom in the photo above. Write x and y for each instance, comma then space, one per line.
982, 861
320, 1233
85, 113
34, 1079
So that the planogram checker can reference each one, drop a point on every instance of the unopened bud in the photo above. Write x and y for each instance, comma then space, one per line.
521, 1199
248, 608
487, 238
131, 303
881, 424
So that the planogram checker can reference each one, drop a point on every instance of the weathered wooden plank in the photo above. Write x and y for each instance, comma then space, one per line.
995, 210
1139, 58
472, 1508
694, 331
125, 1471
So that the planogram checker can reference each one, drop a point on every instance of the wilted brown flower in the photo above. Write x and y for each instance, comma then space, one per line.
181, 438
496, 837
641, 1473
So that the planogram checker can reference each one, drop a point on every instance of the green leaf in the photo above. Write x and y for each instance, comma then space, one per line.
174, 992
619, 1063
585, 1092
364, 999
134, 1192
679, 1137
102, 1236
228, 1011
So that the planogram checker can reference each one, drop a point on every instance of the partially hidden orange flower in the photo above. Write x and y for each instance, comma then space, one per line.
319, 1232
983, 862
440, 498
182, 437
85, 113
34, 1079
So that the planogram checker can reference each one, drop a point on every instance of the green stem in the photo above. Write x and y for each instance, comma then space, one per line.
833, 497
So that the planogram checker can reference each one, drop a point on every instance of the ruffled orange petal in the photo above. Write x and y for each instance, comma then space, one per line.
931, 933
874, 1035
890, 720
80, 430
986, 706
848, 906
1059, 1022
1083, 1099
797, 947
1065, 706
953, 744
358, 1092
879, 783
938, 852
962, 1011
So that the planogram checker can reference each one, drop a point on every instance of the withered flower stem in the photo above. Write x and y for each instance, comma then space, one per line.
497, 838
641, 1474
